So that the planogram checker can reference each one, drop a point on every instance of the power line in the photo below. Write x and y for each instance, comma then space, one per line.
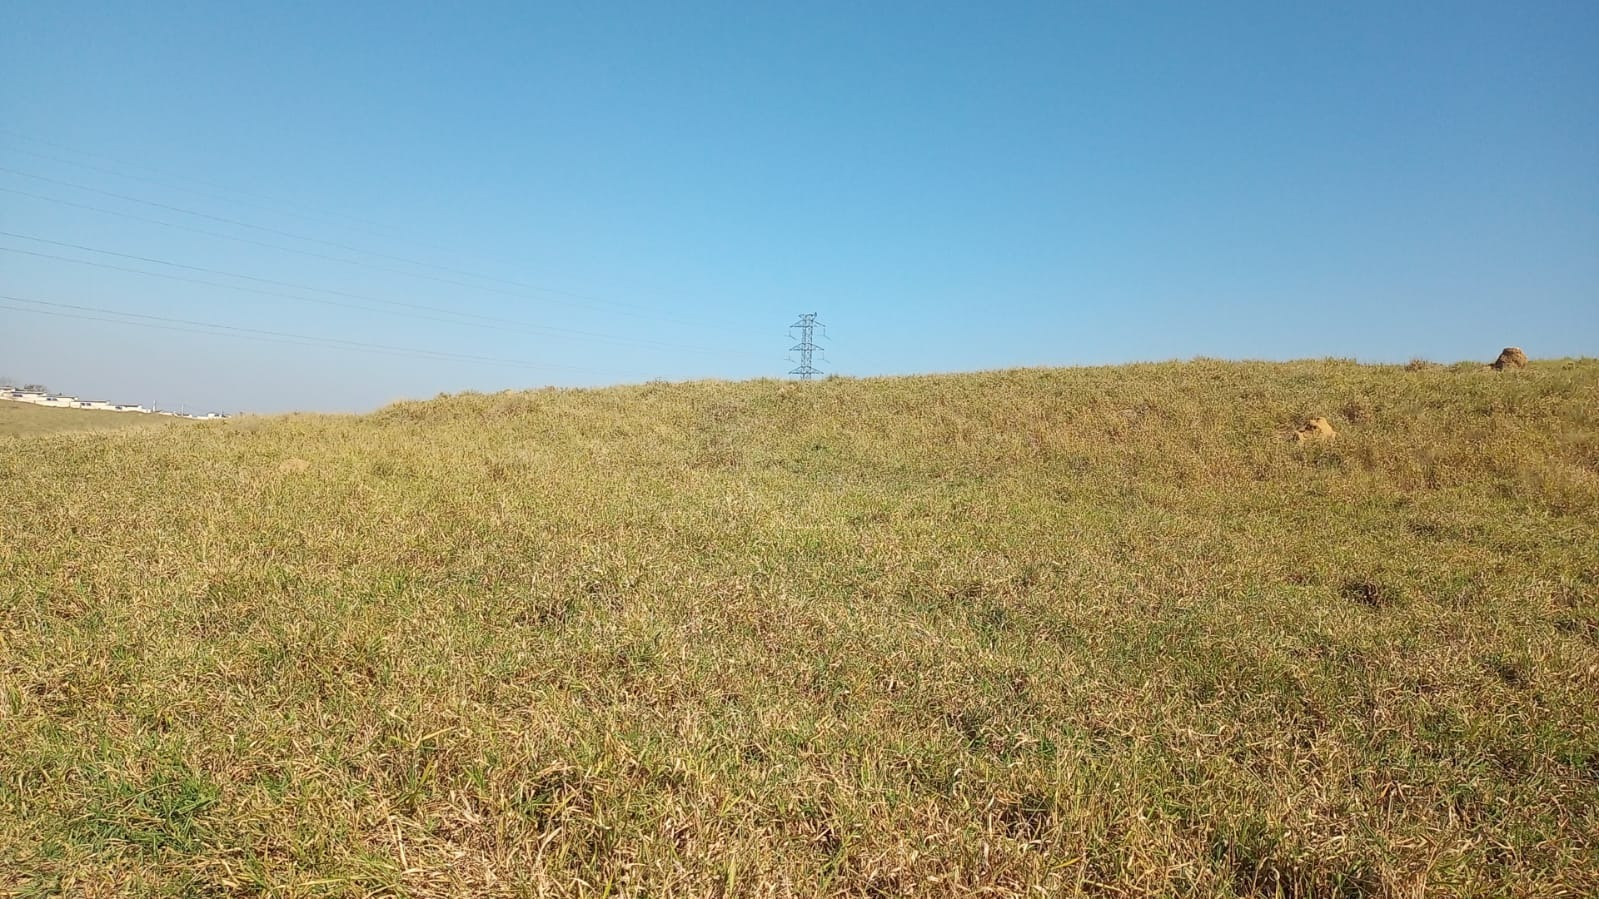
280, 247
269, 293
234, 237
273, 293
481, 321
208, 271
291, 235
261, 201
577, 299
171, 324
164, 177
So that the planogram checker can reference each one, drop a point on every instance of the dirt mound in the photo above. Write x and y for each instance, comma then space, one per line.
1510, 357
1315, 429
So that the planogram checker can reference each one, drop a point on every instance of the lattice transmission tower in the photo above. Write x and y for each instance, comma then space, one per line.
806, 326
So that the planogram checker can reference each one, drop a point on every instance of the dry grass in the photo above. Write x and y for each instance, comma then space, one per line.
1050, 632
25, 420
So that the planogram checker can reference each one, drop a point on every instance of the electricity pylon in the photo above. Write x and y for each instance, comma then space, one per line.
807, 326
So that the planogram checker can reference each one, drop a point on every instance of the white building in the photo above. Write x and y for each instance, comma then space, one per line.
64, 401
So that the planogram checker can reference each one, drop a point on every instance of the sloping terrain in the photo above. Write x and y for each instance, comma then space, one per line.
1103, 632
27, 420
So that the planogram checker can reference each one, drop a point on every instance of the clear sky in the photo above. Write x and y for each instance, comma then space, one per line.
594, 193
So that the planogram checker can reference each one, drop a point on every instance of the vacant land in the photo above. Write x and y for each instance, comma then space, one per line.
1049, 632
26, 419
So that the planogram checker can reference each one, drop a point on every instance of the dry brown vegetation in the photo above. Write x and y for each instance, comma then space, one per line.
24, 419
1047, 632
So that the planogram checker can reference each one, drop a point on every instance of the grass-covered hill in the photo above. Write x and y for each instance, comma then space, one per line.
26, 420
1099, 632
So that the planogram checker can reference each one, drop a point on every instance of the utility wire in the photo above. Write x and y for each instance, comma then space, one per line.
274, 246
234, 237
475, 319
164, 177
165, 323
576, 299
269, 293
223, 193
262, 201
255, 290
213, 271
289, 234
313, 342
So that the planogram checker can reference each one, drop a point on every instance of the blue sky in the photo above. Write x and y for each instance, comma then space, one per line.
606, 193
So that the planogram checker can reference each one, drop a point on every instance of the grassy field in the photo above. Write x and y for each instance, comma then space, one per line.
1099, 632
25, 419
